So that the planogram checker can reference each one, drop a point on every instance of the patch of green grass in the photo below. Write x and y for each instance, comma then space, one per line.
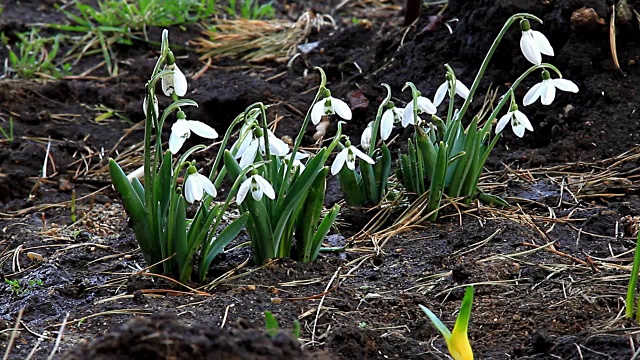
115, 21
17, 289
33, 56
250, 9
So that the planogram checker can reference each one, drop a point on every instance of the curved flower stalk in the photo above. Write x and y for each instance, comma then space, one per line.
446, 158
158, 208
284, 199
457, 340
369, 184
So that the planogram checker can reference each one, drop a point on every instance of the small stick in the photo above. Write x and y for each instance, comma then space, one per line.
13, 335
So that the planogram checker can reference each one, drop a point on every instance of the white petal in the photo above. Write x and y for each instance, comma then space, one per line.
276, 146
243, 190
256, 193
425, 105
386, 124
175, 143
265, 186
365, 139
179, 82
351, 162
462, 90
192, 189
341, 108
548, 92
207, 185
523, 119
407, 117
137, 174
244, 145
518, 129
542, 43
338, 162
167, 83
529, 48
504, 120
362, 155
565, 85
179, 134
202, 129
532, 95
317, 112
249, 156
440, 93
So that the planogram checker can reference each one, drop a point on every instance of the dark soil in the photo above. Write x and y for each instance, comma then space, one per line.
564, 301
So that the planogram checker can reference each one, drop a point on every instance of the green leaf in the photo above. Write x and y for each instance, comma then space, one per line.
437, 183
323, 230
442, 328
271, 324
352, 188
218, 243
130, 199
179, 239
308, 218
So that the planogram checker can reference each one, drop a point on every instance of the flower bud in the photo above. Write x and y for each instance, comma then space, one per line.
525, 25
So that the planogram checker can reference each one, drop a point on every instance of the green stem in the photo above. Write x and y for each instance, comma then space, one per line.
633, 280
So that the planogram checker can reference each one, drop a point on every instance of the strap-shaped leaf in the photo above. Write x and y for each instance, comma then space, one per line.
130, 199
437, 183
218, 243
323, 230
309, 216
350, 183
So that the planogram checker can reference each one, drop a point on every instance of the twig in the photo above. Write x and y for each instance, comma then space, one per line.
13, 335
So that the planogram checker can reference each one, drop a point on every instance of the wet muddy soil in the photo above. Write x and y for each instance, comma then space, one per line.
550, 271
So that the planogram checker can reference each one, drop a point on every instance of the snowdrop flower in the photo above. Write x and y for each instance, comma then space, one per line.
533, 43
365, 139
296, 160
155, 105
519, 122
424, 106
546, 90
461, 90
174, 82
329, 106
258, 187
348, 156
196, 185
389, 117
181, 131
248, 155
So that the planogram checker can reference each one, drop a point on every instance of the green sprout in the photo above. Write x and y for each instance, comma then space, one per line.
272, 328
17, 289
633, 281
457, 340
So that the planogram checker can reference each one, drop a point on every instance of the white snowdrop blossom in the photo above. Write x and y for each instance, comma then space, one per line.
519, 122
175, 81
196, 185
365, 139
348, 156
390, 117
258, 186
461, 90
296, 160
155, 105
181, 131
546, 89
424, 106
533, 44
248, 154
330, 106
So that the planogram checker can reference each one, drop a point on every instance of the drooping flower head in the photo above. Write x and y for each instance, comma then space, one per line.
348, 156
546, 89
196, 185
519, 122
533, 43
258, 186
424, 106
390, 116
182, 128
329, 106
256, 141
461, 90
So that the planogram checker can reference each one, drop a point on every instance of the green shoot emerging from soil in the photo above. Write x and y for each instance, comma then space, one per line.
250, 9
633, 281
446, 158
457, 340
